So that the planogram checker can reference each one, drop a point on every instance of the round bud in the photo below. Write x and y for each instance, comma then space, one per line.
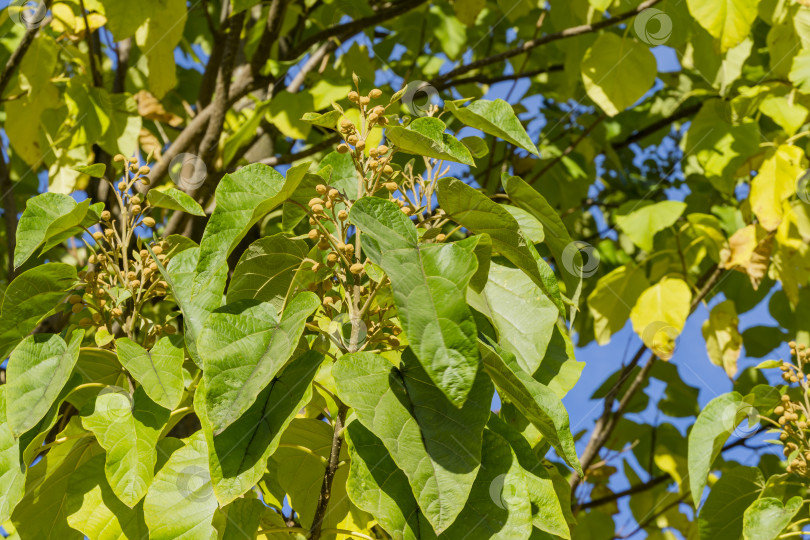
323, 244
98, 235
320, 188
97, 318
119, 157
75, 299
109, 233
373, 117
315, 200
136, 209
372, 163
328, 204
144, 170
382, 149
372, 152
785, 398
779, 410
132, 275
391, 186
343, 215
356, 268
360, 145
343, 148
149, 222
375, 93
406, 210
122, 185
353, 96
364, 100
313, 234
352, 139
117, 312
135, 284
441, 237
157, 250
388, 169
333, 193
105, 215
75, 308
317, 208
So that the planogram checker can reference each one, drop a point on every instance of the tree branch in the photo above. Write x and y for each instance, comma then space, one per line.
533, 43
570, 148
483, 79
329, 474
18, 54
306, 152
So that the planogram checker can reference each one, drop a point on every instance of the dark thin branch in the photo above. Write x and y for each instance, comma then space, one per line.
533, 43
18, 54
9, 215
275, 16
570, 148
350, 28
639, 488
483, 79
329, 474
306, 152
660, 124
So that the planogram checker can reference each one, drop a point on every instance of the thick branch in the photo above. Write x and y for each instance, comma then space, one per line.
533, 43
329, 474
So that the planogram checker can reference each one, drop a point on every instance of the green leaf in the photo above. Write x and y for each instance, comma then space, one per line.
241, 519
617, 72
327, 119
242, 199
96, 170
32, 296
37, 371
729, 21
238, 456
429, 283
174, 199
196, 310
722, 513
537, 402
93, 509
299, 465
378, 486
12, 470
42, 513
158, 370
522, 315
714, 425
612, 299
180, 503
556, 234
425, 136
243, 346
497, 118
266, 270
127, 427
766, 518
498, 505
643, 222
723, 339
477, 212
46, 216
157, 38
436, 444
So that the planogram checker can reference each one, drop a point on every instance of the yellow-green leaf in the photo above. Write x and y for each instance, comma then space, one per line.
660, 314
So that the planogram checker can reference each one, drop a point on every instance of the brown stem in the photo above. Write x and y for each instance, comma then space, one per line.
9, 215
329, 474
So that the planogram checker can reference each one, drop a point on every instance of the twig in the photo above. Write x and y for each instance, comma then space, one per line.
329, 474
